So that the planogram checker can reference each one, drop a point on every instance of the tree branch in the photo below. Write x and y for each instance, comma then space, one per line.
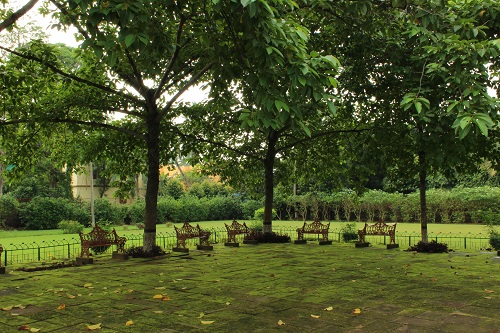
18, 14
74, 77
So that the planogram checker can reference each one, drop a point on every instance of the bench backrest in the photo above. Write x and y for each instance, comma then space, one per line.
187, 230
380, 228
316, 225
98, 233
236, 226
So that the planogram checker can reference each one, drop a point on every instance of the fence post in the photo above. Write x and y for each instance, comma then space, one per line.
5, 254
409, 240
39, 255
465, 242
69, 252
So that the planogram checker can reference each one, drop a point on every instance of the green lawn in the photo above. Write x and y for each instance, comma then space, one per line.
262, 288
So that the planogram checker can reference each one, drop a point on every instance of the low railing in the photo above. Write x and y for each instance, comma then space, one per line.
67, 249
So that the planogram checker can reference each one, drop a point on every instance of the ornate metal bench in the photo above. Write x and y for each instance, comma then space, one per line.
315, 227
187, 231
99, 237
233, 230
380, 229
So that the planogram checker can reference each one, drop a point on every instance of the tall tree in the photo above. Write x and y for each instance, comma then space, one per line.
155, 51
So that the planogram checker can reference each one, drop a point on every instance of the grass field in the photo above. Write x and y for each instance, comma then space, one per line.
38, 236
261, 288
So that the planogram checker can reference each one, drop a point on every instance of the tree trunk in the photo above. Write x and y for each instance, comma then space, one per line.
153, 146
269, 182
422, 175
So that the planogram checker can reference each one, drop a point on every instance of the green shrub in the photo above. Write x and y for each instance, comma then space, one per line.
349, 232
70, 227
191, 209
259, 214
9, 212
79, 210
137, 211
224, 208
44, 213
495, 239
268, 237
104, 210
168, 207
248, 208
431, 247
138, 252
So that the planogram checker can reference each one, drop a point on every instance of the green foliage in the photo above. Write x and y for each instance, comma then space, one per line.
168, 209
259, 214
104, 210
268, 237
138, 252
9, 212
431, 247
223, 208
349, 232
249, 207
191, 209
171, 187
494, 239
43, 213
70, 227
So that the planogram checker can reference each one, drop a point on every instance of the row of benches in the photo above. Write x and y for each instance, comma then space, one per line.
99, 237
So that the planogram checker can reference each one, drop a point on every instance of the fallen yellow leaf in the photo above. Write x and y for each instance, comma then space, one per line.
165, 298
315, 316
70, 296
488, 291
60, 307
160, 296
34, 329
330, 308
281, 322
7, 308
356, 311
201, 315
160, 288
227, 303
87, 285
129, 323
94, 327
207, 322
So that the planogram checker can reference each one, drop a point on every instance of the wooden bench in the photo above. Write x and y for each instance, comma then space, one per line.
187, 231
99, 237
378, 229
315, 227
233, 230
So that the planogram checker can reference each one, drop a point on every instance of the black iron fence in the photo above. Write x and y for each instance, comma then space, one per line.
67, 249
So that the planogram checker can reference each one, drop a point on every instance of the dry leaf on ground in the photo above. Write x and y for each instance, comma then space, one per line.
159, 296
129, 323
94, 327
315, 316
207, 322
330, 308
356, 311
60, 307
281, 322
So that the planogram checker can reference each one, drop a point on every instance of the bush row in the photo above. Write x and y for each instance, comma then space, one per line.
46, 213
459, 205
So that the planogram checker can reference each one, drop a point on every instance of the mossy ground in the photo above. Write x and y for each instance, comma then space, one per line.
253, 287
